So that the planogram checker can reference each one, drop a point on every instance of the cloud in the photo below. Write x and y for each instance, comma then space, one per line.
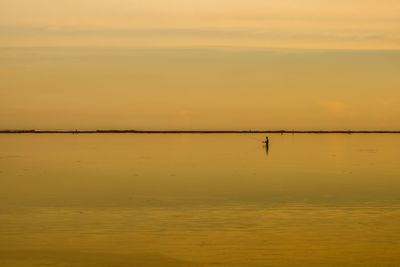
197, 37
311, 24
336, 108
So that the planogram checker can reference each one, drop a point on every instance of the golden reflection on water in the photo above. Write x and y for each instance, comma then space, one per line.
199, 200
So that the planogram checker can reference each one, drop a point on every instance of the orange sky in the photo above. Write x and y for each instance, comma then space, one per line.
257, 64
326, 24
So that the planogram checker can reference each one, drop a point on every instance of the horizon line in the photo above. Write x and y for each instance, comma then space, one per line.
132, 131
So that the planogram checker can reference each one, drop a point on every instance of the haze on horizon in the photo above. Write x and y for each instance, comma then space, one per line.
185, 64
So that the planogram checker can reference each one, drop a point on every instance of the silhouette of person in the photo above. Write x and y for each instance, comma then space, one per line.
266, 142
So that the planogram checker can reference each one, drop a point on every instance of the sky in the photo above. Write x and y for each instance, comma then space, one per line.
186, 64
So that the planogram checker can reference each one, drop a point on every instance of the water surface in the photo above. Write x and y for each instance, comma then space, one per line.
199, 200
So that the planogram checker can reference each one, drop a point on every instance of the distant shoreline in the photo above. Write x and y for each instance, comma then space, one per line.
192, 132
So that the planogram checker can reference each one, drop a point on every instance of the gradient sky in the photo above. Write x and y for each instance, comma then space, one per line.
158, 64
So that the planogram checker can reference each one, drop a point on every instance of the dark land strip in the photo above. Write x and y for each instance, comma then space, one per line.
193, 132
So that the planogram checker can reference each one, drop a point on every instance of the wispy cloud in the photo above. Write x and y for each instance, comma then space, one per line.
312, 24
181, 37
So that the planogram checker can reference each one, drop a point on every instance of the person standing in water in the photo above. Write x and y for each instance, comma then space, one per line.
266, 142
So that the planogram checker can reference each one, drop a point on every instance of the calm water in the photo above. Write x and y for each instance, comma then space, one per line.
199, 200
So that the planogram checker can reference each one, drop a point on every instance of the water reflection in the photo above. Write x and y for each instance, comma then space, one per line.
199, 200
266, 149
